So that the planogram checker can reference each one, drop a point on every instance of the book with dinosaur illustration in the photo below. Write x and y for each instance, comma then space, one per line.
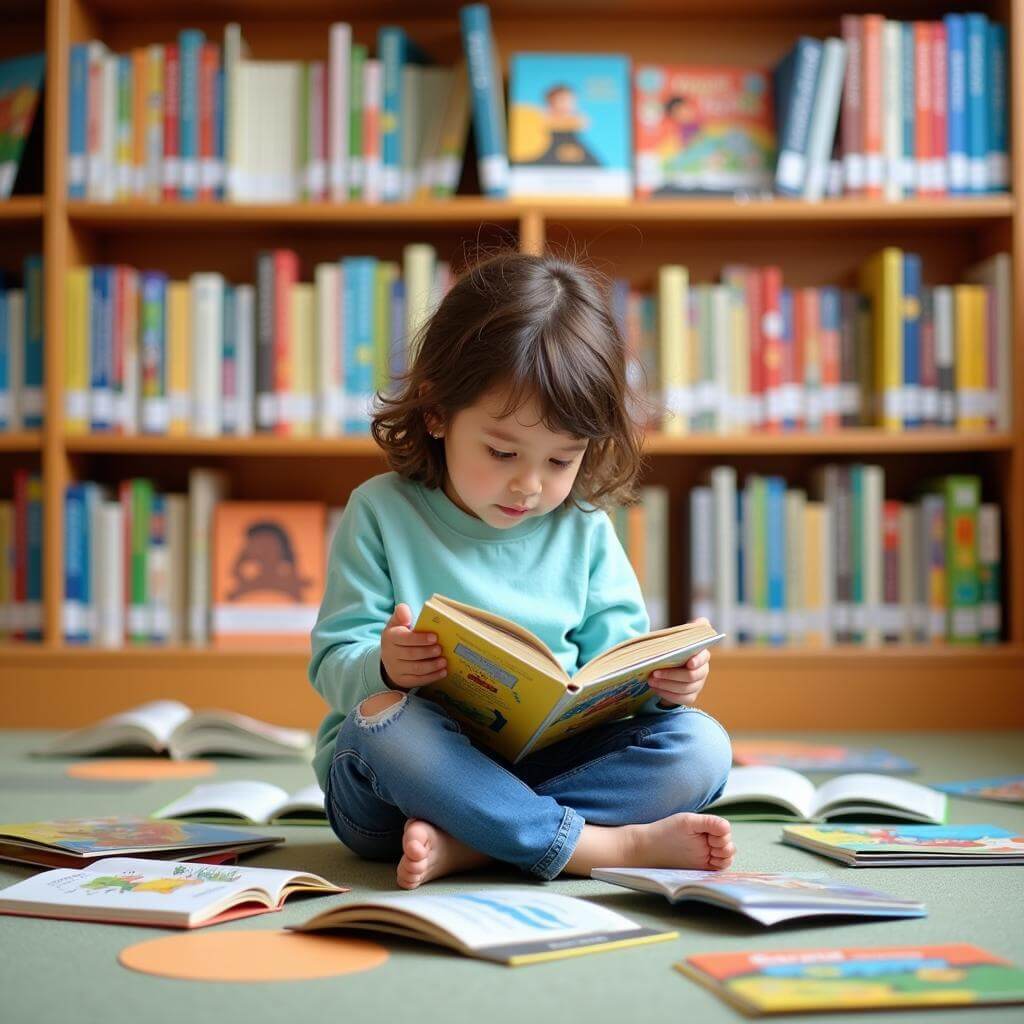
167, 894
511, 694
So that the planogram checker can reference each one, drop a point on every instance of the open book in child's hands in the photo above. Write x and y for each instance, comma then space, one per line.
248, 801
510, 692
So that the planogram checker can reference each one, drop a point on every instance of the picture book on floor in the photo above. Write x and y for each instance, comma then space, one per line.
511, 925
815, 757
77, 842
249, 801
781, 794
768, 897
167, 894
893, 846
858, 978
169, 727
1007, 789
511, 694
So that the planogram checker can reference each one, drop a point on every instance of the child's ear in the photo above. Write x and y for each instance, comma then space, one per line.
430, 418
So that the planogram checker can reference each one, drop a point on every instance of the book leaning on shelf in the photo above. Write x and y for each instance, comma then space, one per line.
511, 694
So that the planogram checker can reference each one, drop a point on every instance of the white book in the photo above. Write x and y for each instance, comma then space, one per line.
721, 331
168, 726
15, 329
207, 299
702, 554
996, 273
205, 488
110, 596
245, 359
177, 568
249, 801
656, 578
108, 128
327, 286
723, 489
170, 894
824, 117
235, 49
871, 512
943, 306
339, 61
771, 793
892, 108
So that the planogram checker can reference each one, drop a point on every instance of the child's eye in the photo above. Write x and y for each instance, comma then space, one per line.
560, 464
495, 454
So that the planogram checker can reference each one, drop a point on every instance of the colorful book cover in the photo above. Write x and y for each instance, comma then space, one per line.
1007, 789
702, 130
21, 84
268, 572
961, 840
858, 978
569, 125
808, 757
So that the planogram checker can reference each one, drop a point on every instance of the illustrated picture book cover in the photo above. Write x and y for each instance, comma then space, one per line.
511, 694
1007, 789
268, 572
569, 125
805, 980
820, 757
702, 130
21, 86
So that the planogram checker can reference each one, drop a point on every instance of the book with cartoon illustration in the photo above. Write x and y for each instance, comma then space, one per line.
892, 846
781, 794
77, 842
514, 925
166, 894
819, 757
768, 897
510, 693
703, 131
170, 727
248, 801
1005, 789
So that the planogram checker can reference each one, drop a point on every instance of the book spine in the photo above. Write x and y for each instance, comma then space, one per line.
795, 118
874, 160
908, 107
933, 564
775, 559
957, 167
245, 352
725, 568
124, 185
795, 625
892, 610
32, 384
892, 109
158, 612
674, 347
179, 358
190, 43
358, 274
990, 626
137, 139
266, 409
171, 175
110, 574
911, 316
998, 125
977, 102
923, 114
851, 114
286, 276
944, 303
207, 317
962, 497
702, 567
824, 117
391, 46
229, 365
210, 177
77, 377
940, 109
373, 87
101, 395
339, 63
485, 84
356, 165
154, 122
76, 565
141, 505
153, 354
969, 342
929, 365
78, 107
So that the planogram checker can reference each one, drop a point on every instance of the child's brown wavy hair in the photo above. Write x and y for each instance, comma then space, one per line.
541, 328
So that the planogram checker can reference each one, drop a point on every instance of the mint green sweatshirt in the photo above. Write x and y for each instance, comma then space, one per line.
564, 576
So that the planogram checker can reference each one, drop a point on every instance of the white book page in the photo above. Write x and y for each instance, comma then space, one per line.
882, 790
257, 801
769, 782
310, 796
158, 718
232, 721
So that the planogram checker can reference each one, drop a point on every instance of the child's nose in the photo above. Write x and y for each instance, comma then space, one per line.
527, 484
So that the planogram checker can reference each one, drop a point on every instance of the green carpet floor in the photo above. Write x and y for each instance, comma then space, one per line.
68, 971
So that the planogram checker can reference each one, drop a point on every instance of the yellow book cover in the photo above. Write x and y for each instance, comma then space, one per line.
881, 277
674, 347
739, 358
76, 357
815, 537
300, 402
419, 262
179, 358
969, 301
511, 694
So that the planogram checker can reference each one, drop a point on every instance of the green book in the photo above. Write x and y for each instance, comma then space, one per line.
963, 496
141, 499
356, 167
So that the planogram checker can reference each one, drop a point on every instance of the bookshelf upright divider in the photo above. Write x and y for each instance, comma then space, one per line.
756, 688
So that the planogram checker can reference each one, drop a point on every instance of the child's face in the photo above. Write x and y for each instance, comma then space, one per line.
497, 468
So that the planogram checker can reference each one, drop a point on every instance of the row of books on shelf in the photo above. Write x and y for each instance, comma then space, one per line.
21, 347
923, 109
772, 564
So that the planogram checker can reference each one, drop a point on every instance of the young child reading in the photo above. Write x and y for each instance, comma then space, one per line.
511, 430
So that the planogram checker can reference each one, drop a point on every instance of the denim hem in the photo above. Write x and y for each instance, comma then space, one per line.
561, 849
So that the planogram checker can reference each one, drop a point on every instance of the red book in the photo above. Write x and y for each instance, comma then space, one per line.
806, 313
796, 405
923, 127
831, 373
770, 329
940, 114
209, 64
891, 607
286, 275
172, 101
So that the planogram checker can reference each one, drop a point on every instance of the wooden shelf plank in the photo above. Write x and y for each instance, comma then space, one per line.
21, 441
21, 209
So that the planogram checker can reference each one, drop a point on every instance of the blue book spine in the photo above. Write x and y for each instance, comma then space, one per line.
399, 349
359, 281
775, 565
485, 88
78, 103
998, 142
796, 83
391, 45
911, 340
830, 316
32, 395
956, 104
6, 398
977, 102
787, 344
908, 105
101, 337
190, 43
76, 564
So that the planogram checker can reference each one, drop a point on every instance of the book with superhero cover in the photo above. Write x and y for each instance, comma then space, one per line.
510, 693
1006, 789
166, 894
268, 572
858, 978
569, 126
819, 757
702, 131
896, 846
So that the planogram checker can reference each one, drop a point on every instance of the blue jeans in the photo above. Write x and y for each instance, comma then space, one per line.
412, 761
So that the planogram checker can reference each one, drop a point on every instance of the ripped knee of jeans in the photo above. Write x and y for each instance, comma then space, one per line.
379, 709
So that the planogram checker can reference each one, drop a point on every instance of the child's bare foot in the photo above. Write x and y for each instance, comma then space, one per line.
428, 853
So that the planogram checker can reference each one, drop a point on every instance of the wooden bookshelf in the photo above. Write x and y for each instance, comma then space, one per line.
878, 688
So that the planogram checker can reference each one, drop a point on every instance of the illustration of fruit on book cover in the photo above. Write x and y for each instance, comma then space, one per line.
569, 125
702, 130
268, 572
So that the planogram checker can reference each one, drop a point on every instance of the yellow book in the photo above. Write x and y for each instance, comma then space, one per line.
881, 278
511, 694
970, 362
815, 569
76, 355
419, 262
674, 347
6, 570
179, 358
299, 402
154, 123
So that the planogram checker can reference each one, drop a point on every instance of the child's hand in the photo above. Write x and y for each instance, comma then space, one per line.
409, 658
681, 684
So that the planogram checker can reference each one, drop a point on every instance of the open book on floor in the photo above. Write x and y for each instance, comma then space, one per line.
513, 925
897, 846
511, 694
169, 727
781, 794
769, 897
77, 842
167, 894
249, 801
